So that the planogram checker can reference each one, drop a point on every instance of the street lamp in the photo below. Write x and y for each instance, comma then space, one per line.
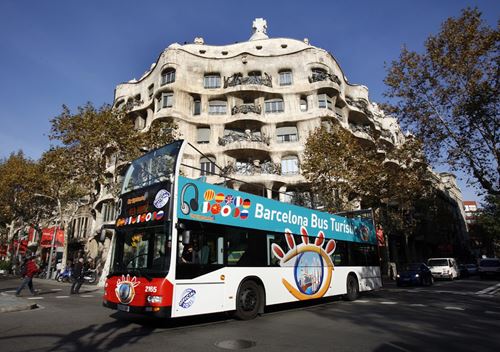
49, 270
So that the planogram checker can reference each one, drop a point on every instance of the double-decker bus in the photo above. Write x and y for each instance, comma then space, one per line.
184, 247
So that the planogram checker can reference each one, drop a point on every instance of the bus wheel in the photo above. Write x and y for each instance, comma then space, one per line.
248, 300
352, 288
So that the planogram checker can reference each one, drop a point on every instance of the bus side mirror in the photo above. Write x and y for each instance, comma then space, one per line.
186, 237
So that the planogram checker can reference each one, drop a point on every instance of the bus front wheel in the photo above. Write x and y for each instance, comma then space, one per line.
248, 300
352, 288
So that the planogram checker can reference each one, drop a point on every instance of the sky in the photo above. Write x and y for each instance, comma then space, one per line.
70, 52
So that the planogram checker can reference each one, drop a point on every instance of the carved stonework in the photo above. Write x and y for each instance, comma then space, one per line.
253, 168
259, 27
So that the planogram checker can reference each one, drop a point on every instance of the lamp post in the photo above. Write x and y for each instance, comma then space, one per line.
49, 270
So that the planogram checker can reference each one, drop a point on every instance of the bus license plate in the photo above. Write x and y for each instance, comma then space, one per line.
123, 308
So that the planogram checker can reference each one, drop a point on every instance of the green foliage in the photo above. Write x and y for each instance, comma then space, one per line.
449, 95
488, 225
343, 168
20, 179
5, 265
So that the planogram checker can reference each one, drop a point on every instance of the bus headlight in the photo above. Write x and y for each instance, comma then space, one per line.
417, 275
154, 299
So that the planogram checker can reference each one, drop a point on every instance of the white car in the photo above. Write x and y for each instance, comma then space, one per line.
489, 267
444, 268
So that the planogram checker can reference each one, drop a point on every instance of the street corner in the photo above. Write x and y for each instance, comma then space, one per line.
11, 303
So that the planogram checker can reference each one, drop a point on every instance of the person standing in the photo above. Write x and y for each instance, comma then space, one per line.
77, 274
31, 268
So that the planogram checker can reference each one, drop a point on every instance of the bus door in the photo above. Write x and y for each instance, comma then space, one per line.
200, 281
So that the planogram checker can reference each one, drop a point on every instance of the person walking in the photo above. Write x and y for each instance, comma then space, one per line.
77, 274
31, 268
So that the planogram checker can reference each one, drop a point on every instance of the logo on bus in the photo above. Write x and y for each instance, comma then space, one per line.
313, 264
125, 288
187, 298
161, 198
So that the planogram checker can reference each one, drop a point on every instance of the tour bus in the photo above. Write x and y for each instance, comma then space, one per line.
184, 247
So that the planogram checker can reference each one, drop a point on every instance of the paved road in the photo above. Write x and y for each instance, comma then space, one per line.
450, 316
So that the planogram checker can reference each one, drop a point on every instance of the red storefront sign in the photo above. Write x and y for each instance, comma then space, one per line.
48, 234
22, 245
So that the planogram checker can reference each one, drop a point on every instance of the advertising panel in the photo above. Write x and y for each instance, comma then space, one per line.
210, 203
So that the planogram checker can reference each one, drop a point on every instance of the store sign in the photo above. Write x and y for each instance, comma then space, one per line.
47, 236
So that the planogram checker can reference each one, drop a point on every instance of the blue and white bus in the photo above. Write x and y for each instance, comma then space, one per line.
184, 247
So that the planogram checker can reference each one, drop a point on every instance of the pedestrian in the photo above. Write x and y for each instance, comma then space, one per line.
77, 275
31, 269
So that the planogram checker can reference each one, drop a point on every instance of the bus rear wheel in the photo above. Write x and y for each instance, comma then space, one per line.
352, 288
248, 300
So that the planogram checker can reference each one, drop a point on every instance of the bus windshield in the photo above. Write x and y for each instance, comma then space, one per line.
153, 167
144, 250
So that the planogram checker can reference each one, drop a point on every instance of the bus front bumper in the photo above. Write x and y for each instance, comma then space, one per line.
159, 312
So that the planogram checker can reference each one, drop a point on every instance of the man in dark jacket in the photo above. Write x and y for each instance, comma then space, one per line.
77, 274
30, 270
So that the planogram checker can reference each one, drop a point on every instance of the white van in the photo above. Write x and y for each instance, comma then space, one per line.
443, 268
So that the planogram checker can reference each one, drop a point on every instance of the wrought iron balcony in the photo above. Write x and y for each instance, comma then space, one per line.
246, 136
238, 79
361, 128
361, 104
323, 76
246, 108
250, 168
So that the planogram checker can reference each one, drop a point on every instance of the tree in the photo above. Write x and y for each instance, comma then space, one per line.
449, 96
487, 225
89, 138
341, 169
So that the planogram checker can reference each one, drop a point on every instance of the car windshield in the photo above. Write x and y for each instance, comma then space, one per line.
471, 265
438, 262
153, 167
412, 267
489, 263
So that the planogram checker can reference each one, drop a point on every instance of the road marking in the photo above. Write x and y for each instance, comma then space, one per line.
86, 296
62, 296
11, 291
453, 308
34, 297
417, 305
489, 290
388, 302
56, 289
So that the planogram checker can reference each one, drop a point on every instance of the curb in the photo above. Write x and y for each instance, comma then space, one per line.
14, 304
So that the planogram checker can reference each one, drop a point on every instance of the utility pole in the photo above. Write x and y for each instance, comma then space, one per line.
56, 226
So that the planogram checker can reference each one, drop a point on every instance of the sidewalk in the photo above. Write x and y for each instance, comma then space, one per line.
11, 303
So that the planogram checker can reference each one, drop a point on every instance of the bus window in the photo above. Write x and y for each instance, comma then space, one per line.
339, 257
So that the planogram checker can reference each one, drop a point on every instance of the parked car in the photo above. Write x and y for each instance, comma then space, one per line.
489, 267
462, 271
471, 269
443, 268
414, 274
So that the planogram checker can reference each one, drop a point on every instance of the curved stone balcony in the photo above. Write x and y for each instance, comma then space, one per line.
244, 140
360, 105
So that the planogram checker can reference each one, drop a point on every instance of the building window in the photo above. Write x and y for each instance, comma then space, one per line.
203, 135
303, 104
207, 166
274, 105
339, 113
217, 107
151, 90
325, 101
108, 212
285, 78
139, 123
167, 100
197, 107
168, 76
290, 165
79, 228
286, 134
211, 81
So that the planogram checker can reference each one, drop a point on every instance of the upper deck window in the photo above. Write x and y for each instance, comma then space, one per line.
153, 167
